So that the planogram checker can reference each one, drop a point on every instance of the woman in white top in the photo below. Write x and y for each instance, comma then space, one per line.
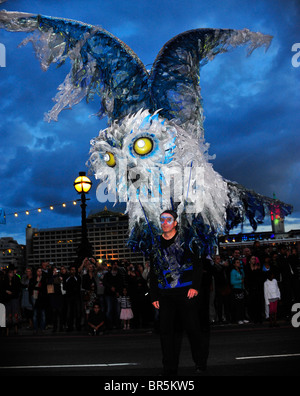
272, 295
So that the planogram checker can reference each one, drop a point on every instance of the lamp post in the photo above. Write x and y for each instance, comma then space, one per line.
82, 185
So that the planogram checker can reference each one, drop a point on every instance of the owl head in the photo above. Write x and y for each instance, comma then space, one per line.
152, 164
130, 158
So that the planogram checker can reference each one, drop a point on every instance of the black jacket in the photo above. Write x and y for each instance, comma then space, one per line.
175, 268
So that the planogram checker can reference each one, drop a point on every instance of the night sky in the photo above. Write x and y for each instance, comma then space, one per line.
251, 104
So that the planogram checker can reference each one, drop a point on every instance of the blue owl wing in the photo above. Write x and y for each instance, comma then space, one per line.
247, 204
101, 63
175, 75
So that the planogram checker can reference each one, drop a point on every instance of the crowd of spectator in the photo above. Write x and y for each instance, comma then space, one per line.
97, 297
239, 290
87, 298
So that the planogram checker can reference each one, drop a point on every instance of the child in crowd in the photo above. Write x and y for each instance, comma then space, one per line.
126, 312
96, 320
272, 295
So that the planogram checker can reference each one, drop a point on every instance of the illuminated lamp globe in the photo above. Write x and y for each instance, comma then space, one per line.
82, 183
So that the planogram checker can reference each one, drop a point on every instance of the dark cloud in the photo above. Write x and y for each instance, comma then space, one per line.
251, 111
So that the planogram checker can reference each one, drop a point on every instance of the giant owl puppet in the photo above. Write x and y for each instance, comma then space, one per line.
152, 155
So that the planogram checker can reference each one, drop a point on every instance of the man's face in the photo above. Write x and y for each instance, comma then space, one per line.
167, 222
217, 259
72, 270
236, 254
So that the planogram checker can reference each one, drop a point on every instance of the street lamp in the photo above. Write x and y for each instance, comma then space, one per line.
82, 185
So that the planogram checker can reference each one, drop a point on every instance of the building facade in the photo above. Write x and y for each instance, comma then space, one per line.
228, 243
11, 254
107, 232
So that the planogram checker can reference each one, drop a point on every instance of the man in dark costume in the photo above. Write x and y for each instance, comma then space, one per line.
175, 281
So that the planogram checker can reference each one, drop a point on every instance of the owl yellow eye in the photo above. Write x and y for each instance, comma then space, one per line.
110, 159
143, 146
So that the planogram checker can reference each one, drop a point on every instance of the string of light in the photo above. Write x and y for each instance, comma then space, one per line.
41, 209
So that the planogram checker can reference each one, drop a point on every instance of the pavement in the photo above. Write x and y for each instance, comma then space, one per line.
214, 326
235, 350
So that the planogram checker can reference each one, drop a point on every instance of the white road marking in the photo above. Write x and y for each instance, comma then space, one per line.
71, 366
267, 356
